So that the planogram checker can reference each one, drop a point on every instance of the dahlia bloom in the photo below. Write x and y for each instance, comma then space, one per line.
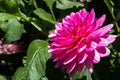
79, 41
10, 48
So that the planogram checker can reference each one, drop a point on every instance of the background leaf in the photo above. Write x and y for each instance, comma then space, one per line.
14, 30
3, 26
9, 6
66, 4
6, 16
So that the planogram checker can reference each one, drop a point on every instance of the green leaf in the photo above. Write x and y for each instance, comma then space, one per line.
20, 74
66, 4
81, 75
6, 16
14, 30
37, 56
44, 15
2, 77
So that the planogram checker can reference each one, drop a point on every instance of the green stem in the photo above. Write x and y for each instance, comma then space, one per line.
50, 6
110, 7
34, 3
38, 28
52, 14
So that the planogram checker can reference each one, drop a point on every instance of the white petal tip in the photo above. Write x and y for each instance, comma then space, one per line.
90, 70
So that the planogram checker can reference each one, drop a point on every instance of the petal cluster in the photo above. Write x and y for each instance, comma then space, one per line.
79, 41
10, 48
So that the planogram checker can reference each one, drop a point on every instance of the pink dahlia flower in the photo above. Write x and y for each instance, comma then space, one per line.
79, 41
10, 48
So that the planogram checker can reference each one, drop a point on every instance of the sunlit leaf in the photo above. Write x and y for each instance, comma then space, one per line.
66, 4
37, 56
20, 74
2, 77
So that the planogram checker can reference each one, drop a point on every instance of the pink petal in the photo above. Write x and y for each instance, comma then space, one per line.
66, 20
54, 45
100, 21
90, 70
53, 56
91, 17
63, 55
60, 57
57, 50
51, 35
101, 32
77, 20
103, 51
93, 44
106, 29
103, 42
70, 67
96, 57
72, 14
89, 65
59, 64
83, 14
106, 40
91, 28
80, 67
93, 57
63, 41
111, 38
82, 57
58, 26
72, 55
81, 48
